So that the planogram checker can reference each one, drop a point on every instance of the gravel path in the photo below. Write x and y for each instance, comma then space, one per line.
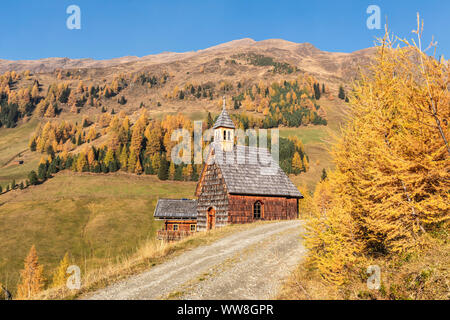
250, 264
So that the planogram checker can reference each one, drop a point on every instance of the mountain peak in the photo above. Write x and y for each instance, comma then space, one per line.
233, 44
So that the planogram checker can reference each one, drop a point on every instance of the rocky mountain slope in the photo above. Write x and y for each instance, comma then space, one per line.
332, 66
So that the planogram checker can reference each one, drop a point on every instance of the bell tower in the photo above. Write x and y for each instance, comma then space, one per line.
224, 130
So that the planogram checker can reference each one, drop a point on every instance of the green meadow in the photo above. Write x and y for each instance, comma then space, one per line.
98, 219
12, 143
101, 219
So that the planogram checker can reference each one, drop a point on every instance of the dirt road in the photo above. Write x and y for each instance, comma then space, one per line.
250, 264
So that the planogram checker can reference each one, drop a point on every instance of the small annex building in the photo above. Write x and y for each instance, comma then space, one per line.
180, 218
238, 184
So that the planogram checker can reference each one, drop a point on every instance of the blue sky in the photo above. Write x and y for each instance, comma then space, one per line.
109, 28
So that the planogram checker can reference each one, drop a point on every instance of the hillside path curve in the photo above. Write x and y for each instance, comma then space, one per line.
249, 264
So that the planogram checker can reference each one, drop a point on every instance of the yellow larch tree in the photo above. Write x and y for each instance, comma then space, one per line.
153, 134
92, 134
91, 156
138, 167
297, 164
81, 162
172, 171
32, 279
60, 276
392, 171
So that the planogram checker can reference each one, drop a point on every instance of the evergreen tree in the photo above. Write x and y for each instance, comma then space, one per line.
178, 173
33, 145
341, 94
121, 101
104, 168
317, 91
79, 140
163, 169
324, 174
42, 171
113, 166
32, 176
236, 104
209, 120
148, 169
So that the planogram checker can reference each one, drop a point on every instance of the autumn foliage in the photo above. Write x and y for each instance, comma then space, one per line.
32, 279
389, 189
60, 276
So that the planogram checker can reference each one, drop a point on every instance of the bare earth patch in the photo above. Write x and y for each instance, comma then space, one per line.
246, 265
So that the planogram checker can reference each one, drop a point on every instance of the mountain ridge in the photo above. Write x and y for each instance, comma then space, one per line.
305, 56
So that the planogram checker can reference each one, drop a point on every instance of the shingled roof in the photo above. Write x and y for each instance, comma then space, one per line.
224, 120
176, 209
253, 171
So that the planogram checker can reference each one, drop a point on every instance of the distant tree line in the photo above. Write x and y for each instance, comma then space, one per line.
16, 103
287, 103
142, 148
261, 60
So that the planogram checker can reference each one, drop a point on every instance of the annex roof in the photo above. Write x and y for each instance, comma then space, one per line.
176, 209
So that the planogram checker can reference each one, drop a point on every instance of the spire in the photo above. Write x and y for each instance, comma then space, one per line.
224, 119
224, 102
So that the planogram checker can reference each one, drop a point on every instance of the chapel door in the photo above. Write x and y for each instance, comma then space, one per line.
211, 218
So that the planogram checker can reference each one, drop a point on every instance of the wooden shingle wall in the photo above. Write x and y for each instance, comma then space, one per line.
212, 194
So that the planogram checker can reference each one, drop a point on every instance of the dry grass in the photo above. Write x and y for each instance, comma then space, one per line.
416, 276
151, 253
95, 218
14, 142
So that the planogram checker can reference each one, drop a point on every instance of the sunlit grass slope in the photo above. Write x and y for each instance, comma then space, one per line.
96, 218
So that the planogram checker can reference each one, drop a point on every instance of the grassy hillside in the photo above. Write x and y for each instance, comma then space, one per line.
99, 218
14, 145
317, 141
96, 218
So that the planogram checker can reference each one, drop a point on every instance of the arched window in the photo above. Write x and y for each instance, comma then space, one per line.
257, 210
229, 136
